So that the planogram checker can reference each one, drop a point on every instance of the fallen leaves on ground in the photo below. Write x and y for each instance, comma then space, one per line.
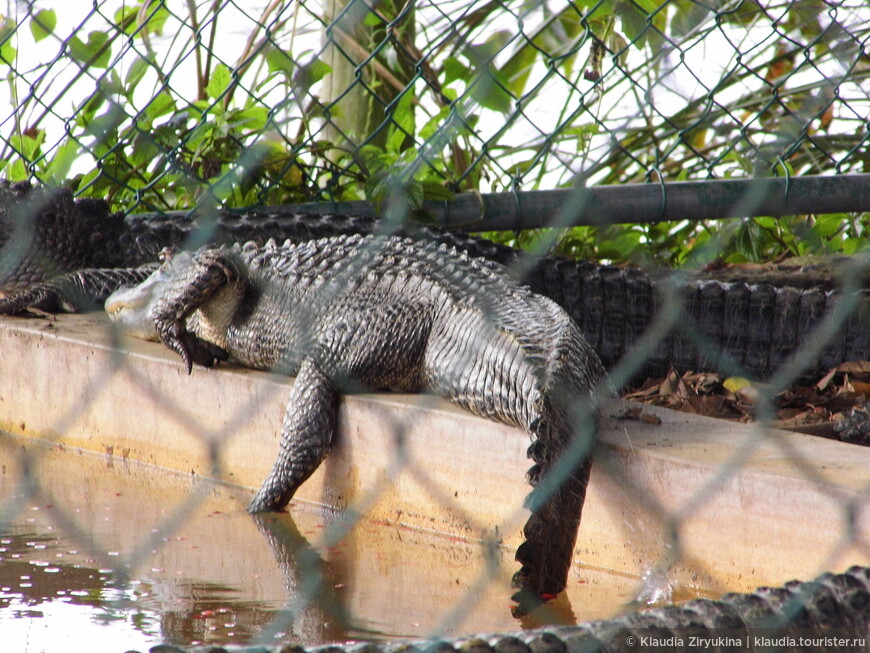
810, 408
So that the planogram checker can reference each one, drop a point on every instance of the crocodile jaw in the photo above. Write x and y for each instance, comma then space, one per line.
130, 308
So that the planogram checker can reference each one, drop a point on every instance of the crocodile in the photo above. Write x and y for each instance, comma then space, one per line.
730, 324
369, 313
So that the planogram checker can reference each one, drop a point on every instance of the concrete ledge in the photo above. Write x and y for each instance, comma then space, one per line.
735, 505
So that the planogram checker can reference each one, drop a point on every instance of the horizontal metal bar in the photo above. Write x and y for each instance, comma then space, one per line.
637, 203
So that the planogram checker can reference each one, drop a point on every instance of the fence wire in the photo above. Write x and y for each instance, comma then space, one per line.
165, 106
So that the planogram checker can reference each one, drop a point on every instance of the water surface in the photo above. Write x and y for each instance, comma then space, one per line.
124, 556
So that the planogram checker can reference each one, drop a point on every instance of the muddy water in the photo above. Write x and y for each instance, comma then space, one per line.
124, 556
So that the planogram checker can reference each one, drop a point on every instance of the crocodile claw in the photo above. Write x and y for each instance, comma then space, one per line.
196, 350
186, 356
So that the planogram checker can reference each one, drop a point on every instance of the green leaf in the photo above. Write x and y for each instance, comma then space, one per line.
745, 14
415, 196
622, 246
403, 123
161, 105
135, 74
428, 130
145, 150
88, 109
749, 240
152, 21
455, 69
198, 134
42, 24
105, 126
18, 171
28, 146
308, 75
8, 27
829, 224
7, 34
125, 18
280, 62
373, 20
252, 119
376, 160
489, 91
617, 44
219, 82
95, 53
155, 18
62, 161
7, 53
518, 68
634, 23
854, 245
480, 54
90, 181
435, 191
686, 16
602, 11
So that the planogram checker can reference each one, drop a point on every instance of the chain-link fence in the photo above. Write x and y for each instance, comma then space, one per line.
171, 107
158, 105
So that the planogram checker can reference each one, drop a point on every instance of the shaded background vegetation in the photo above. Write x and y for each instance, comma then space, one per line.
166, 105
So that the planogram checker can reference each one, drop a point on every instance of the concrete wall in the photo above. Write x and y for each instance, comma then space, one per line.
749, 506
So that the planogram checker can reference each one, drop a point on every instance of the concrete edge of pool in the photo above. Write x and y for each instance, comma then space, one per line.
738, 505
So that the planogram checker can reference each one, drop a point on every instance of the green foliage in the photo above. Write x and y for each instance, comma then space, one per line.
42, 24
264, 129
7, 46
694, 245
96, 53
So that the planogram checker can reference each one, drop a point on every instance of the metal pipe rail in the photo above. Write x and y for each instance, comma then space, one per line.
635, 203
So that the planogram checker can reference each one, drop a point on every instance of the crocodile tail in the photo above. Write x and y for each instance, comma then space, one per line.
556, 502
564, 431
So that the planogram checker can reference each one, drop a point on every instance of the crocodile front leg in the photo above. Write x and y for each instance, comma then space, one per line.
306, 438
207, 274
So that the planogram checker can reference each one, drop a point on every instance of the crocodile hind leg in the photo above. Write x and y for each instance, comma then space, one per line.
306, 438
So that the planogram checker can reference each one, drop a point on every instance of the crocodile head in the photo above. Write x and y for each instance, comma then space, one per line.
130, 308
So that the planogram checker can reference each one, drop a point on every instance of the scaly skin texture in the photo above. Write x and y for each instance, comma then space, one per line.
759, 325
75, 292
382, 313
45, 233
737, 325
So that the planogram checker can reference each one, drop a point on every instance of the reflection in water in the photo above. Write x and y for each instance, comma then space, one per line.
126, 556
314, 611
